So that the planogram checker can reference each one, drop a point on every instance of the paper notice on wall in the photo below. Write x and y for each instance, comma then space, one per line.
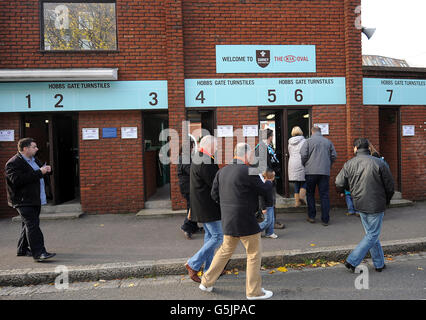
408, 131
225, 131
90, 133
250, 130
7, 135
129, 132
324, 128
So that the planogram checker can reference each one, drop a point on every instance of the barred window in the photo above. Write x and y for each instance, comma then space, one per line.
82, 25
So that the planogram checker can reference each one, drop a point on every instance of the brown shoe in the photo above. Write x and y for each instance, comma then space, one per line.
310, 220
192, 273
279, 225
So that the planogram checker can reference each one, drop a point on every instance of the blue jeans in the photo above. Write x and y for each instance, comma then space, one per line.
349, 203
268, 223
372, 223
213, 238
322, 181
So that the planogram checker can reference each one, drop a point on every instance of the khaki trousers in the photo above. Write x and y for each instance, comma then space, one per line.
253, 248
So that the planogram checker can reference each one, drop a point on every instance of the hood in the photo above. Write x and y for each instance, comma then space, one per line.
296, 140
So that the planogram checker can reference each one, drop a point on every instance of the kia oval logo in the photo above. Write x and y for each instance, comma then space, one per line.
290, 59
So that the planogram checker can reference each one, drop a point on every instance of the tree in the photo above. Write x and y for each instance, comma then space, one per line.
80, 26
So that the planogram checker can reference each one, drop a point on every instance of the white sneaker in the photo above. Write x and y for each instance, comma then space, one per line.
267, 295
208, 289
272, 236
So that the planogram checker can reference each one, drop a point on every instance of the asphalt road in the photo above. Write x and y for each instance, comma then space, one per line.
404, 278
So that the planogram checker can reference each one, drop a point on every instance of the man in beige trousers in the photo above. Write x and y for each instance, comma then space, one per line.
237, 192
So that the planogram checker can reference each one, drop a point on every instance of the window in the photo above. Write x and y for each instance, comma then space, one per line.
83, 25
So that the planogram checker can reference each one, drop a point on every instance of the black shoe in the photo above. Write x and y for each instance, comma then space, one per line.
325, 224
350, 267
381, 269
44, 256
24, 254
188, 235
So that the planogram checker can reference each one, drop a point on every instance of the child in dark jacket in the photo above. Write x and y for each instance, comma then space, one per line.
266, 205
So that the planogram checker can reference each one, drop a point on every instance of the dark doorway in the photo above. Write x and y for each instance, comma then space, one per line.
57, 138
273, 119
156, 173
199, 120
390, 141
282, 121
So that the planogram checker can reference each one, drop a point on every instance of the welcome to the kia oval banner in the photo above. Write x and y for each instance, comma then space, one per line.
265, 59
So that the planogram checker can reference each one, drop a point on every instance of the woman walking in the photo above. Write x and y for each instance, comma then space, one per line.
296, 170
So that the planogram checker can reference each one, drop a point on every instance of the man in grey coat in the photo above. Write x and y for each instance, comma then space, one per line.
317, 155
371, 185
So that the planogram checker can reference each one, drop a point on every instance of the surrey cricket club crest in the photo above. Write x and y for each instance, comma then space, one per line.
263, 57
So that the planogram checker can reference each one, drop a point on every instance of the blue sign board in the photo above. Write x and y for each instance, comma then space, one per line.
82, 96
265, 59
109, 132
394, 92
265, 92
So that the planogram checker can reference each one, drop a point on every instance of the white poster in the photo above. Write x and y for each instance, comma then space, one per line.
408, 131
129, 132
90, 133
225, 131
323, 127
7, 135
250, 130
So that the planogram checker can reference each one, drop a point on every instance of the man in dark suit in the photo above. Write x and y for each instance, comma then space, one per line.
25, 187
203, 208
237, 191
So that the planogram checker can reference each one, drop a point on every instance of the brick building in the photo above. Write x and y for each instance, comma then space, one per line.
213, 63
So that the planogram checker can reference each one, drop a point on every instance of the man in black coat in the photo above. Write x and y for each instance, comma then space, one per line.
371, 185
237, 191
25, 187
203, 208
